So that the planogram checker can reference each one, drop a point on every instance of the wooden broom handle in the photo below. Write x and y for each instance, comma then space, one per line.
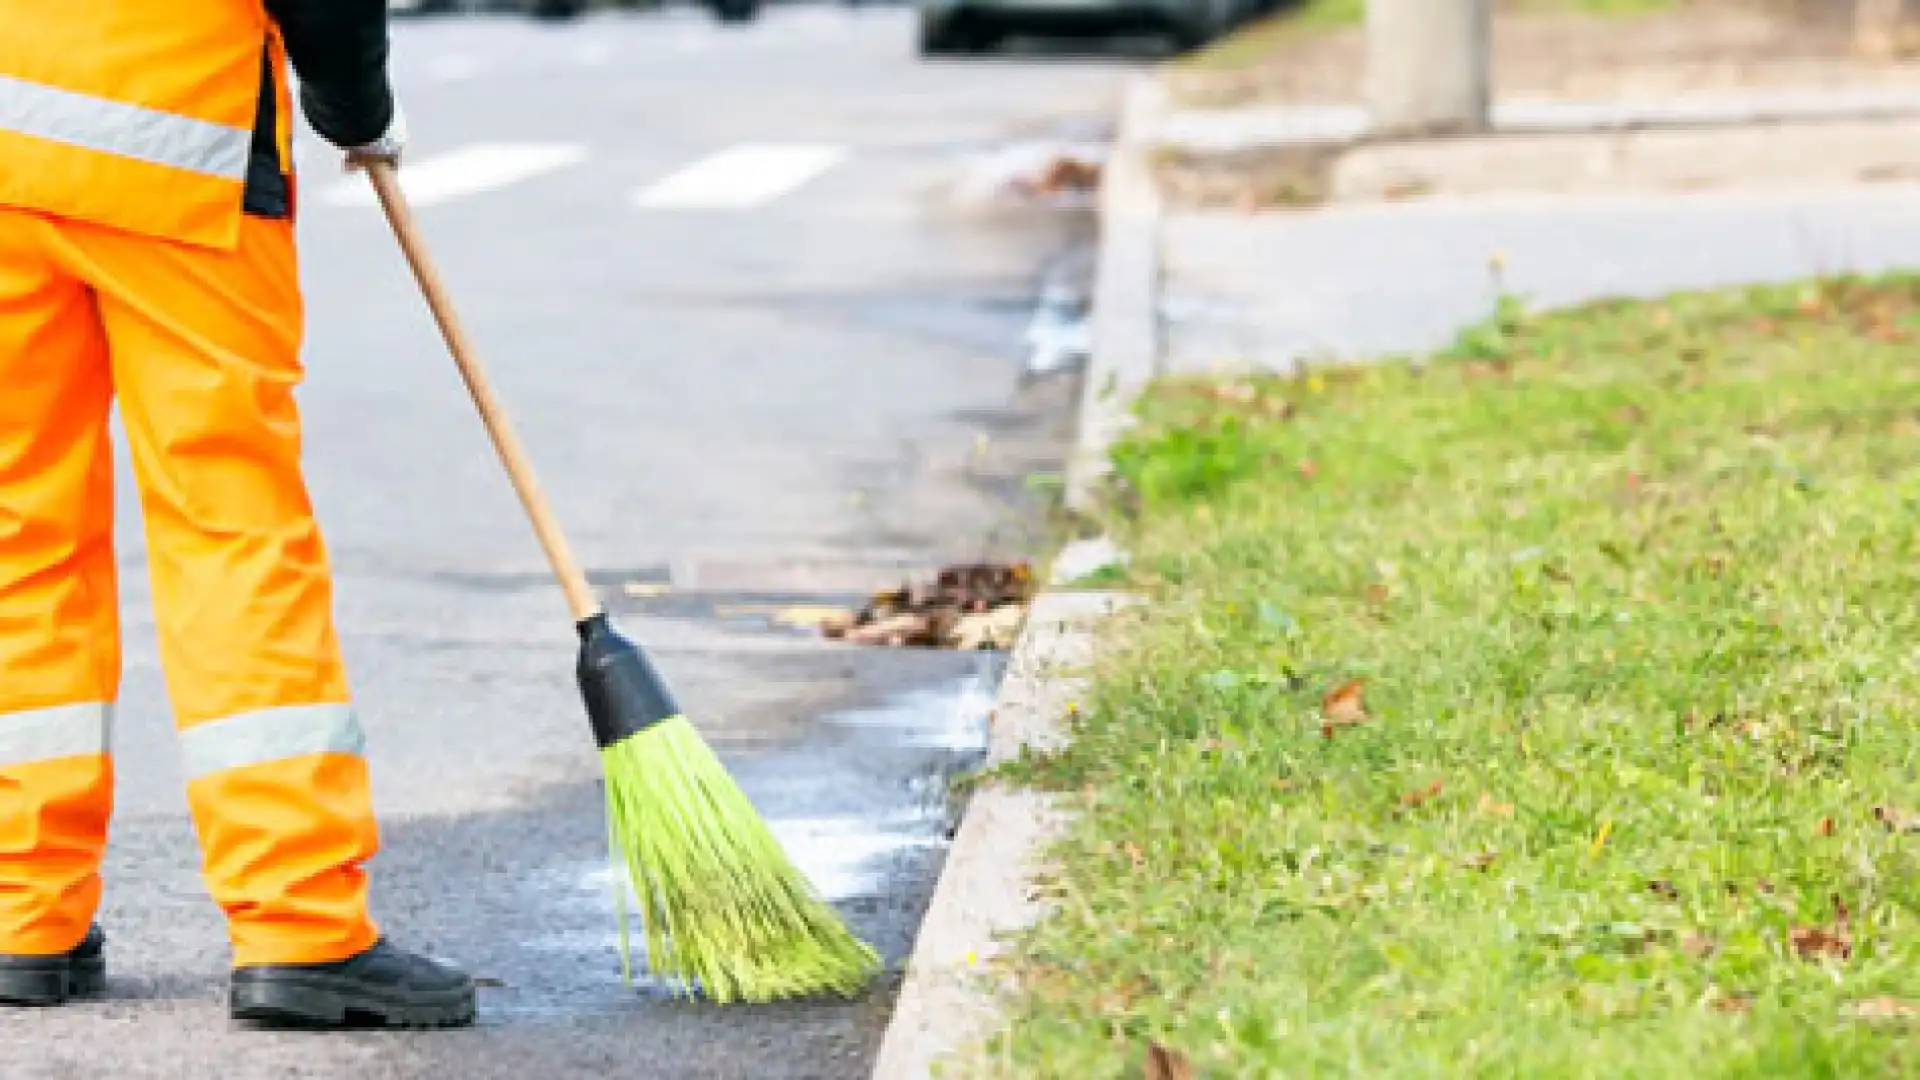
580, 598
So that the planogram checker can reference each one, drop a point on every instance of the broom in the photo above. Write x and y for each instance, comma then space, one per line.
724, 910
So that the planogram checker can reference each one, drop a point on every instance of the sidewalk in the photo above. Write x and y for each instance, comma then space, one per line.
1571, 201
1271, 290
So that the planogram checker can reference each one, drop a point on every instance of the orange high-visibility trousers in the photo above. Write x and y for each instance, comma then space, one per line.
201, 349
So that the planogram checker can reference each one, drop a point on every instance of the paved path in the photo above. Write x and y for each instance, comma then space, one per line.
1346, 282
777, 365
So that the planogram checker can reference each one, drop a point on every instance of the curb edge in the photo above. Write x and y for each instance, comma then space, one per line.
945, 1006
1125, 328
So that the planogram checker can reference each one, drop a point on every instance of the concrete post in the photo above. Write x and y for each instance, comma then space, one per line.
1881, 27
1429, 66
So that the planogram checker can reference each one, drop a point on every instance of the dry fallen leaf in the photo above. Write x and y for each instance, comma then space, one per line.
1309, 470
1698, 945
1733, 1003
1416, 799
1896, 820
1344, 706
1813, 942
1482, 860
1067, 174
1884, 1008
1490, 808
1825, 828
1166, 1063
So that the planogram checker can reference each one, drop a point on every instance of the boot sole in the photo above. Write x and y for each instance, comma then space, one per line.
297, 1001
40, 987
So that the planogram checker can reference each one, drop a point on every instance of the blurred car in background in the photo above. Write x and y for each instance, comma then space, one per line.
542, 8
954, 27
730, 11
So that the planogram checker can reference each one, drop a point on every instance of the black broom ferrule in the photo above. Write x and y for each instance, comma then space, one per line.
624, 693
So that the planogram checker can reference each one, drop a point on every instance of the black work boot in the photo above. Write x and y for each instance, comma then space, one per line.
383, 986
51, 980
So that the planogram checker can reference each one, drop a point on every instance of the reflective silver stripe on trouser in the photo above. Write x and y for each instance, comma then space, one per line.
130, 131
62, 731
269, 735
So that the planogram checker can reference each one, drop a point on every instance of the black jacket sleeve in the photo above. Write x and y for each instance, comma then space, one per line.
338, 48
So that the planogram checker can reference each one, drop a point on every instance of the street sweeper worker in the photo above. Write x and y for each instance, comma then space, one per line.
147, 255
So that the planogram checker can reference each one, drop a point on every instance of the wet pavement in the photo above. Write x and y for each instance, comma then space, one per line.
803, 396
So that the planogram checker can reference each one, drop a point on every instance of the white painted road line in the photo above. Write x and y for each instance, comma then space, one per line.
470, 170
741, 176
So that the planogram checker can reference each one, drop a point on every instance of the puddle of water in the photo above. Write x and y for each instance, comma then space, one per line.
1058, 335
1056, 340
845, 857
850, 852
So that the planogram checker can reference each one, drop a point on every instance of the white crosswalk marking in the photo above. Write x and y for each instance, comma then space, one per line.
470, 170
741, 177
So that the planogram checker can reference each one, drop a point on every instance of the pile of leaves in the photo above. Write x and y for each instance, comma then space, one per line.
969, 606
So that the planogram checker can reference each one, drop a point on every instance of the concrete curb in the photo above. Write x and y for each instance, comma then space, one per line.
946, 1003
1126, 338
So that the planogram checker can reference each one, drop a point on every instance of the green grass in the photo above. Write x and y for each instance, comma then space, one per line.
1633, 592
1255, 42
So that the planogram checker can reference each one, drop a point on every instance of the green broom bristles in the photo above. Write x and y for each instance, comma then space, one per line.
723, 907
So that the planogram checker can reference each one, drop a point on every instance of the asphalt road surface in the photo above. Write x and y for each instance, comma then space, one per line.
759, 350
